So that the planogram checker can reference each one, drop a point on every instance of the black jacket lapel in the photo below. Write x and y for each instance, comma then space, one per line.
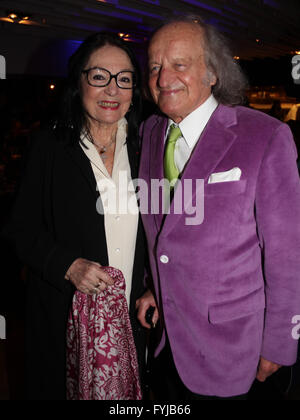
133, 156
84, 165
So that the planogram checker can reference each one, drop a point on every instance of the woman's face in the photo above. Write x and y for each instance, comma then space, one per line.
106, 105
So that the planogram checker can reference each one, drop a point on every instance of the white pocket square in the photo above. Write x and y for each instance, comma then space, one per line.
233, 175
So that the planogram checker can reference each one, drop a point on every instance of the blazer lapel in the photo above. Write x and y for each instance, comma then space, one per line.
133, 157
157, 166
80, 159
214, 143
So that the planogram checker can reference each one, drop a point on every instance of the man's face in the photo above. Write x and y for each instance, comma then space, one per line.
179, 80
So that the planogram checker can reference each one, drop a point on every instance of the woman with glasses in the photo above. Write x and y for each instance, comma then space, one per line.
76, 210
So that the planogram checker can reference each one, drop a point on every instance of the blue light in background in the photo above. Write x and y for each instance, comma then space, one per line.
234, 11
87, 27
156, 2
141, 12
145, 28
50, 57
69, 46
62, 51
272, 3
203, 6
109, 1
114, 14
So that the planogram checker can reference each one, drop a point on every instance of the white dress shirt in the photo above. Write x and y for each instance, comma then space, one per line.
119, 204
191, 128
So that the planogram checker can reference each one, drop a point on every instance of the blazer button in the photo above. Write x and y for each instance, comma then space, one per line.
164, 259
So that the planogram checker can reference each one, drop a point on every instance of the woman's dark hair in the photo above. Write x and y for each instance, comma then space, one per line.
72, 116
231, 82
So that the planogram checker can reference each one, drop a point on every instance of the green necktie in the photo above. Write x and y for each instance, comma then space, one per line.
171, 171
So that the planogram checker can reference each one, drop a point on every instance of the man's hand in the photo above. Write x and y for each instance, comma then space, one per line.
143, 304
266, 369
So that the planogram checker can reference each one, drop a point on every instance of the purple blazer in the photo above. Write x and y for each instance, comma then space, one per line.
229, 287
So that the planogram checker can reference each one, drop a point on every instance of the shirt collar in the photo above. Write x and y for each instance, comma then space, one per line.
193, 125
92, 153
120, 137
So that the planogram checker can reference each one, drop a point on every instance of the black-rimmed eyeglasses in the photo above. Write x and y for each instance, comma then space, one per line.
99, 77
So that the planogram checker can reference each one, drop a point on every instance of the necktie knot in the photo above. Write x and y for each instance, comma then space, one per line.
171, 170
174, 134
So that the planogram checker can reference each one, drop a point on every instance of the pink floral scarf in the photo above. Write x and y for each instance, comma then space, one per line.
101, 354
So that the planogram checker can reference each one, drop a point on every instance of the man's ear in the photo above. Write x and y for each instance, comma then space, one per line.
212, 78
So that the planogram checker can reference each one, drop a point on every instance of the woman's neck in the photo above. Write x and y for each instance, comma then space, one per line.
103, 134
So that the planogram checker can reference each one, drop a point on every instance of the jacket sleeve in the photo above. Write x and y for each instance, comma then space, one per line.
27, 228
278, 221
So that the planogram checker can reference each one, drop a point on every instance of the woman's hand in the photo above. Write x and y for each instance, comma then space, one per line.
143, 304
88, 277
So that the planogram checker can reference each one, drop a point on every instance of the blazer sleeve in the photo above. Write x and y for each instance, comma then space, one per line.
28, 230
278, 222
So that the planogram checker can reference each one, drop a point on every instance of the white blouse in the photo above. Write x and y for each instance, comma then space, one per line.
119, 201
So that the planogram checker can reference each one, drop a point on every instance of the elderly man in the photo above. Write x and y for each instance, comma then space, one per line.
226, 285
